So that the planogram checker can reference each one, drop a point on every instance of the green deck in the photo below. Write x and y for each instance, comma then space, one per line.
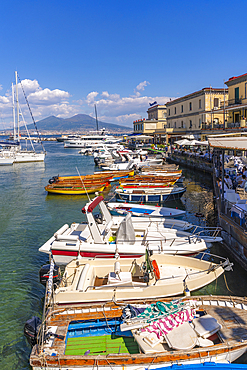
101, 345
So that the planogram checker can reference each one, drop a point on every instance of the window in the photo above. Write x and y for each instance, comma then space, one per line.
190, 123
190, 106
200, 122
182, 108
175, 124
200, 104
237, 95
245, 90
175, 110
169, 112
216, 102
182, 124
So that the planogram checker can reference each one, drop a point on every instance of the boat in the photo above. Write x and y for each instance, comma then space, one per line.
6, 158
151, 178
145, 210
94, 138
88, 280
83, 336
145, 195
113, 175
103, 234
146, 184
76, 189
14, 149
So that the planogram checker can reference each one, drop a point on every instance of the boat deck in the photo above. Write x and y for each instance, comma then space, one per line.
231, 316
102, 345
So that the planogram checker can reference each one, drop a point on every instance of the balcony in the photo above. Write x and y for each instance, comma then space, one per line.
235, 101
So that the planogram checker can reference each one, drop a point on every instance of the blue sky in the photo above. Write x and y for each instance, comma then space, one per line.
121, 55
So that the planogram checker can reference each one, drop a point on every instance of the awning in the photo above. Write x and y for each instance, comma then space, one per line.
140, 137
228, 142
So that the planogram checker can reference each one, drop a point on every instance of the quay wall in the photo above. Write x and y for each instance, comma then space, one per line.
191, 162
233, 234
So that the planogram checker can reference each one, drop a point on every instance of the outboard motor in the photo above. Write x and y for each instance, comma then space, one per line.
31, 330
53, 179
98, 218
44, 274
96, 161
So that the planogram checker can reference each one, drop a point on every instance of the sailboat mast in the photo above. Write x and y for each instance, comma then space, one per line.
13, 105
17, 107
97, 124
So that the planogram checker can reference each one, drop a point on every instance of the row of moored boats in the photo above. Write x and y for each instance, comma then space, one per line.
118, 285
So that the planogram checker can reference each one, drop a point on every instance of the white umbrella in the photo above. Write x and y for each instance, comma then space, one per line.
191, 136
195, 142
182, 142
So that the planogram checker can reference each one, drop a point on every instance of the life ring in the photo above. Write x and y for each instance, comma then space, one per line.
156, 269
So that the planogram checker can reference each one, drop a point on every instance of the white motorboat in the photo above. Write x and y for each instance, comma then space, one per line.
143, 210
148, 277
94, 138
129, 236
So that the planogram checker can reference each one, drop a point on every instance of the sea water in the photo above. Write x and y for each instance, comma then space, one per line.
29, 217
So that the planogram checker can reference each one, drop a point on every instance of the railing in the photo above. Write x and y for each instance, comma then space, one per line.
231, 210
235, 101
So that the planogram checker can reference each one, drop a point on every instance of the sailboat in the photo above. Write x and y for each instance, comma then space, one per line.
14, 148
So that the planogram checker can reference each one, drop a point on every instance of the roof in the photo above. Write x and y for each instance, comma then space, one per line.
228, 142
235, 77
204, 90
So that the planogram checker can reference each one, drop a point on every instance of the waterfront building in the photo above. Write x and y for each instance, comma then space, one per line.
196, 114
237, 102
156, 120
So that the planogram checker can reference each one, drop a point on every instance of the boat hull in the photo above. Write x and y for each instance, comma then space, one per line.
149, 198
80, 191
229, 349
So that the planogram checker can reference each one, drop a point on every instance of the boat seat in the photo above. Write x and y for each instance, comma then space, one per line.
203, 342
120, 278
182, 337
205, 326
148, 342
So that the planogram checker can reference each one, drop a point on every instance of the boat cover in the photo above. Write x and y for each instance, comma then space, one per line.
126, 232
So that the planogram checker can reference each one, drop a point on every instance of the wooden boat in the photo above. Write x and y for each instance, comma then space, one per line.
102, 236
83, 337
154, 195
142, 210
144, 184
164, 167
149, 178
75, 189
147, 277
97, 175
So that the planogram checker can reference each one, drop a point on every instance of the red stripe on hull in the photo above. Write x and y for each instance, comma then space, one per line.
56, 252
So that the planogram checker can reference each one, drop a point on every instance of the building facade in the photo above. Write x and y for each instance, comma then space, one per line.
156, 120
237, 102
195, 113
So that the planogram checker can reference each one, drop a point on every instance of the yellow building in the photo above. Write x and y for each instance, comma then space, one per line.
196, 113
237, 102
156, 120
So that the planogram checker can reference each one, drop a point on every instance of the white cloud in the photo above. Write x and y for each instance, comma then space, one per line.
142, 85
48, 97
111, 107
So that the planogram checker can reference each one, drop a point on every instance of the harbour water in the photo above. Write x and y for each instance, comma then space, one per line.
29, 217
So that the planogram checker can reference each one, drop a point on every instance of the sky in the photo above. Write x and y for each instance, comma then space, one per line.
120, 55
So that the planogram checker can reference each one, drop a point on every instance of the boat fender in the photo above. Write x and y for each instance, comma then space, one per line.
156, 269
117, 267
